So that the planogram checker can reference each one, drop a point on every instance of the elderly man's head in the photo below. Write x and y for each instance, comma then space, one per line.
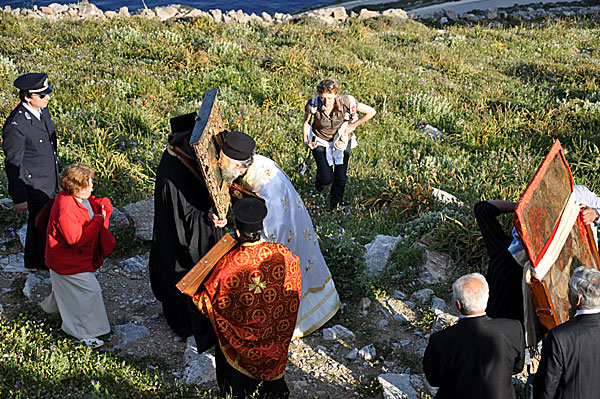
471, 293
237, 155
584, 288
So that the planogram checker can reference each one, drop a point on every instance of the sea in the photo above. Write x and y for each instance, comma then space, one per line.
252, 6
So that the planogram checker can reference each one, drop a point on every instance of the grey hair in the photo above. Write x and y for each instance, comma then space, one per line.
585, 284
473, 299
245, 164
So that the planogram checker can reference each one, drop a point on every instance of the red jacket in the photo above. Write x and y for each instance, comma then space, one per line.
74, 243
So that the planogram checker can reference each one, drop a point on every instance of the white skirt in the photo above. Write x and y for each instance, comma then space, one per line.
78, 298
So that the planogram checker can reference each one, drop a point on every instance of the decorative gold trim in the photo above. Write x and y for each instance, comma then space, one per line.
236, 366
320, 323
317, 289
317, 306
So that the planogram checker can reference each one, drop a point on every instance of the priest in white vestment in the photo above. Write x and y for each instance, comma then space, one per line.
287, 223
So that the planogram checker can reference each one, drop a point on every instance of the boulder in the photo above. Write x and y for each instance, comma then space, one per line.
124, 12
395, 13
438, 304
146, 13
339, 13
47, 10
58, 8
136, 264
443, 320
337, 332
396, 309
241, 17
422, 296
14, 263
165, 13
397, 386
199, 367
436, 267
195, 13
364, 13
492, 13
452, 15
266, 17
118, 220
352, 354
379, 251
130, 333
217, 15
30, 282
431, 132
367, 352
87, 11
445, 197
142, 215
111, 14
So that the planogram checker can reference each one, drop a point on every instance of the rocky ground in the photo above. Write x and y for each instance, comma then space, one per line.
373, 342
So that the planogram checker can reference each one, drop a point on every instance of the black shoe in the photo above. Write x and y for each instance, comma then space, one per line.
318, 186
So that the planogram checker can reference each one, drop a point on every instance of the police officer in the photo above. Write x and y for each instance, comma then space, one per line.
30, 159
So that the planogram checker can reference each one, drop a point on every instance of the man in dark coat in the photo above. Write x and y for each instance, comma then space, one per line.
183, 228
570, 353
475, 358
29, 143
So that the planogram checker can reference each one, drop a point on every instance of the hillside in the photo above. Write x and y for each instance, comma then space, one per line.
498, 98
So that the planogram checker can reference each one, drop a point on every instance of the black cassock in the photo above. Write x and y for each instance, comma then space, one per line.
182, 235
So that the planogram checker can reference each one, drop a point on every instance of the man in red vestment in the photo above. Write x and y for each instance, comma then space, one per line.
252, 299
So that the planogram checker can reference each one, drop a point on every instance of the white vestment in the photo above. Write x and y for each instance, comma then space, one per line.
288, 223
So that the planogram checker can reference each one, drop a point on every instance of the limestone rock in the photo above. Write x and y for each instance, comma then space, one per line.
397, 386
492, 13
339, 13
241, 17
87, 11
217, 15
30, 282
445, 197
422, 296
47, 10
135, 264
6, 203
142, 215
337, 332
367, 352
22, 233
111, 14
452, 15
443, 320
438, 304
435, 268
130, 333
14, 263
395, 13
58, 8
195, 13
165, 13
352, 354
396, 309
266, 17
146, 13
379, 251
199, 367
364, 13
118, 220
124, 12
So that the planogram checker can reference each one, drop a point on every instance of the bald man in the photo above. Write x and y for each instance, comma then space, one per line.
476, 357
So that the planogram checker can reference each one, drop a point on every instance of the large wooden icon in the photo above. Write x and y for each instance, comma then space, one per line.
207, 142
554, 236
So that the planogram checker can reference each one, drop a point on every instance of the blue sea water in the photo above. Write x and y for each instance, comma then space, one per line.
253, 6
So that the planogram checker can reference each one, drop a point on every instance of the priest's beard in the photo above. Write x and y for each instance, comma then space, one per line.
230, 174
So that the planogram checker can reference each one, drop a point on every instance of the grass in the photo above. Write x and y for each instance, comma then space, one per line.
500, 96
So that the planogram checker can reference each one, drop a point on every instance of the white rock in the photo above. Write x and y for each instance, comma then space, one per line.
438, 304
395, 13
435, 268
492, 13
217, 15
22, 234
118, 220
14, 263
443, 320
195, 13
111, 14
422, 296
124, 12
59, 8
146, 13
142, 215
452, 15
339, 13
399, 294
379, 251
47, 10
135, 264
130, 333
266, 17
337, 332
397, 386
364, 13
352, 354
201, 370
165, 13
30, 283
431, 132
89, 11
367, 352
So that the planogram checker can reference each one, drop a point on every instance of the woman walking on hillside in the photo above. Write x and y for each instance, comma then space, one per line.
331, 135
77, 239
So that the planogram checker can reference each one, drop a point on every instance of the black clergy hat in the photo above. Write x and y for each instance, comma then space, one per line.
34, 83
183, 123
249, 214
238, 145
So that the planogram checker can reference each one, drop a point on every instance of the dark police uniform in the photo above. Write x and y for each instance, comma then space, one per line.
31, 166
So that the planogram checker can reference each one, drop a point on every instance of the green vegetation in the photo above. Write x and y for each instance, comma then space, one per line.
500, 96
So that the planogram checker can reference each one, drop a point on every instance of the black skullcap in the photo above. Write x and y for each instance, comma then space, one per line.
238, 146
249, 214
34, 82
183, 123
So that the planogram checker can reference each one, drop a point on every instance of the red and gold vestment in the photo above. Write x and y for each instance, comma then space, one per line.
252, 299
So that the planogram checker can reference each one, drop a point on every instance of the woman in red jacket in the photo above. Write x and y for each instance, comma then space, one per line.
77, 239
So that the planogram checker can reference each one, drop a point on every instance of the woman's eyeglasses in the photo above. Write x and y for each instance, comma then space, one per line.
41, 96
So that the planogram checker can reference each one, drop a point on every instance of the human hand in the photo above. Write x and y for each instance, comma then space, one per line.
216, 221
589, 214
103, 212
21, 208
312, 145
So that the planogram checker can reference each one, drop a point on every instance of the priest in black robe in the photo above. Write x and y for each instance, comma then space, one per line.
184, 230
